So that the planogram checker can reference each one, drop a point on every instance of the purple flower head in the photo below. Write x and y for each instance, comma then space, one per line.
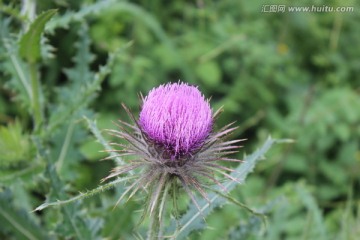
177, 117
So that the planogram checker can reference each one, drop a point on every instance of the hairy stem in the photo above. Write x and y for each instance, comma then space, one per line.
162, 208
83, 195
156, 209
154, 227
65, 147
36, 98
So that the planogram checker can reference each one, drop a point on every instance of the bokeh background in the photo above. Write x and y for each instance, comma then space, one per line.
288, 75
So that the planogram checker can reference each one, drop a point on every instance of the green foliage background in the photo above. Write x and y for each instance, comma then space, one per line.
288, 75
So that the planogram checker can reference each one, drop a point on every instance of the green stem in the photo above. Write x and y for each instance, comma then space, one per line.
65, 147
83, 195
19, 227
36, 98
162, 208
154, 224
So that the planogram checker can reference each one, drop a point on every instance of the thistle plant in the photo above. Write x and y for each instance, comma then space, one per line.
173, 143
54, 61
170, 149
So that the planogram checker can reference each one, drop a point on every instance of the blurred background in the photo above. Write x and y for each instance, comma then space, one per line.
285, 74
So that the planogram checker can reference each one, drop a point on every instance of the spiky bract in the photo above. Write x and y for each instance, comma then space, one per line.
190, 162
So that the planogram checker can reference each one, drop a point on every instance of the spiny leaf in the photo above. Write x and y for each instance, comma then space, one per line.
82, 195
64, 142
69, 17
132, 9
92, 126
252, 227
12, 10
81, 74
310, 203
237, 203
17, 221
73, 223
13, 67
9, 176
14, 145
30, 41
73, 105
81, 97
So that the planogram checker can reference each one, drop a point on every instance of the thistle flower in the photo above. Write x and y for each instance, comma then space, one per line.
173, 141
177, 118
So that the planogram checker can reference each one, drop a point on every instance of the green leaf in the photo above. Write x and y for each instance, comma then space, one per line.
17, 221
30, 41
13, 67
80, 98
136, 12
81, 74
73, 223
14, 145
254, 226
72, 97
26, 175
92, 126
318, 229
69, 17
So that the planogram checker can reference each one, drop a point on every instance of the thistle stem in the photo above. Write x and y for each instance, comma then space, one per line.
83, 195
154, 227
162, 208
156, 217
36, 98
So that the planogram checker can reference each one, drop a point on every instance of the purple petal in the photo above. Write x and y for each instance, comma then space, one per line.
176, 116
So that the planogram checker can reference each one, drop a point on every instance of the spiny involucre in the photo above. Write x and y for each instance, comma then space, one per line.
173, 141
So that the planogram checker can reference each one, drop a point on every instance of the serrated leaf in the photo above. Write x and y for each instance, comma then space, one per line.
319, 229
8, 176
14, 145
64, 20
80, 98
93, 128
65, 141
74, 97
81, 73
73, 224
134, 10
17, 221
30, 41
253, 227
13, 67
